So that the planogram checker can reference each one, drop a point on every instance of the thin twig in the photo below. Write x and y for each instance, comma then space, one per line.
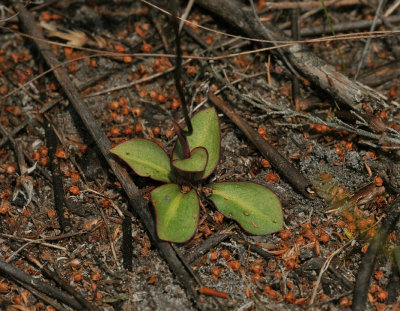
366, 47
38, 241
206, 245
360, 295
281, 5
42, 296
109, 235
21, 276
16, 252
325, 267
268, 35
68, 288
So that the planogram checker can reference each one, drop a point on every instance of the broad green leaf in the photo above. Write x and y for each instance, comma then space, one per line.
146, 158
206, 133
196, 163
177, 213
256, 208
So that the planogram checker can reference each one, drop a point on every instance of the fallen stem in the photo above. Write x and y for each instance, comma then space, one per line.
21, 276
360, 295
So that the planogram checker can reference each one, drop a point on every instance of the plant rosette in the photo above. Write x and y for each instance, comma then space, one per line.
195, 157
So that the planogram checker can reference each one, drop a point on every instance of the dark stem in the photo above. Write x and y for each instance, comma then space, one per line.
178, 69
182, 139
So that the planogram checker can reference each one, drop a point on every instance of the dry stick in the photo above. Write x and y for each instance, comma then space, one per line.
360, 295
283, 166
367, 44
325, 267
21, 276
205, 246
347, 26
306, 4
109, 235
393, 7
295, 30
345, 282
39, 241
393, 286
306, 62
63, 284
43, 297
130, 84
268, 35
252, 247
318, 304
17, 251
379, 75
9, 137
135, 197
68, 288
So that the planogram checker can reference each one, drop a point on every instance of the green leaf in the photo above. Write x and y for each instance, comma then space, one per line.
255, 207
146, 158
177, 213
206, 133
196, 163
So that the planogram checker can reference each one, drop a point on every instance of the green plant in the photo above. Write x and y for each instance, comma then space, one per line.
195, 156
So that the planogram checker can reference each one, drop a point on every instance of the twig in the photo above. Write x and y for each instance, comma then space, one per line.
39, 241
325, 267
253, 247
346, 26
391, 9
283, 166
295, 30
128, 85
21, 276
366, 47
346, 283
368, 262
42, 296
267, 34
68, 288
205, 246
16, 252
9, 137
98, 194
393, 287
318, 304
381, 74
281, 5
109, 235
185, 14
46, 271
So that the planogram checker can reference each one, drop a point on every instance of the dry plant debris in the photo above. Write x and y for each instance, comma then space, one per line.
72, 237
